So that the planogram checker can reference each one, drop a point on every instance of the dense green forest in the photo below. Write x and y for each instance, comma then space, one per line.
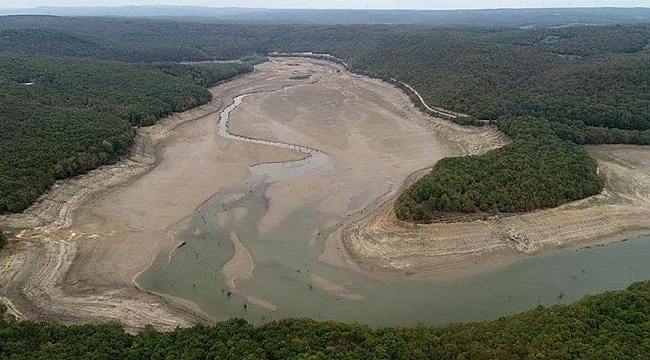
206, 74
60, 117
485, 72
588, 84
613, 325
533, 17
524, 175
593, 74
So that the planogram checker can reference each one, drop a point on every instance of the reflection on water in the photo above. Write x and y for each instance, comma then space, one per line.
287, 275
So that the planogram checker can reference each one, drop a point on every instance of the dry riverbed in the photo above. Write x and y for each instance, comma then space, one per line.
86, 241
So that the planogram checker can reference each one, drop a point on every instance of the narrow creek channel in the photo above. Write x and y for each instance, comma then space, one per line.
283, 281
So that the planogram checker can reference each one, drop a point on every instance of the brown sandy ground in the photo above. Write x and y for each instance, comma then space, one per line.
374, 136
240, 266
385, 245
372, 133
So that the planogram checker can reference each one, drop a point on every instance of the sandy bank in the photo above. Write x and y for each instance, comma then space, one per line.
382, 243
240, 266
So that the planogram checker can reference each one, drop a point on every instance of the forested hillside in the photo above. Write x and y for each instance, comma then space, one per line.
539, 17
612, 325
205, 74
588, 84
62, 117
598, 75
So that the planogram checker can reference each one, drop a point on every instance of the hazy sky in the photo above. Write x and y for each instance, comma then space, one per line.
340, 4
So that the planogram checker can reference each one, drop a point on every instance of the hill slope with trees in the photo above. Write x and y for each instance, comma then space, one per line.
60, 117
597, 75
527, 174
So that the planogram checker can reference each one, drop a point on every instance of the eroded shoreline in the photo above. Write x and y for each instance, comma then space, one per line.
388, 246
55, 240
35, 266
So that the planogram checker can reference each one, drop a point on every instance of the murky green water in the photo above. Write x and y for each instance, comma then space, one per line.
284, 261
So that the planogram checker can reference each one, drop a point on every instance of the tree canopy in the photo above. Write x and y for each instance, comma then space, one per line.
60, 117
522, 176
613, 325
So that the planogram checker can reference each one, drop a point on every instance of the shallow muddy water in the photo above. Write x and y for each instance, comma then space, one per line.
284, 263
287, 280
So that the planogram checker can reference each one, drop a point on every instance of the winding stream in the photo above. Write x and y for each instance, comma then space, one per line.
314, 160
287, 280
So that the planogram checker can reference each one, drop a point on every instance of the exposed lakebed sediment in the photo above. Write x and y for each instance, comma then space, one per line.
244, 211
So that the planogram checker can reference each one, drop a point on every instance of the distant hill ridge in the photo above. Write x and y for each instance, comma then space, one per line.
546, 17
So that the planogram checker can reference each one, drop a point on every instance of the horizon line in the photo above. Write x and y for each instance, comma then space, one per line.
333, 9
